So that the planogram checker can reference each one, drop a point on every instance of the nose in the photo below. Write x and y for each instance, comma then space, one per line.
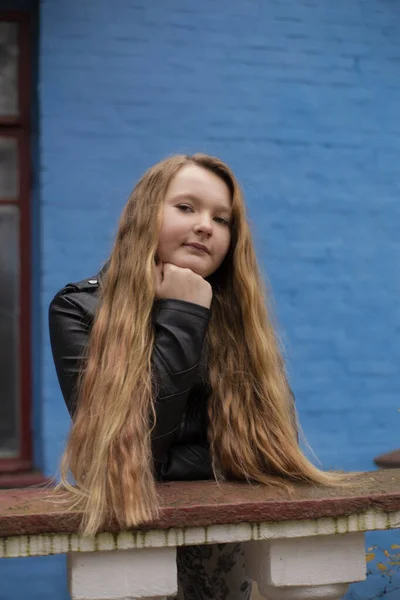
203, 225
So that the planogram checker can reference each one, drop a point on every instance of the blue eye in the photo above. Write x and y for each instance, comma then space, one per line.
184, 208
221, 221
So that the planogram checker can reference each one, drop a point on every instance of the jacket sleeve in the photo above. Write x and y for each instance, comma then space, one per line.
69, 328
180, 329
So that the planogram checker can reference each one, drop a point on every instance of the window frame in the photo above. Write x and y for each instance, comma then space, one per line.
19, 127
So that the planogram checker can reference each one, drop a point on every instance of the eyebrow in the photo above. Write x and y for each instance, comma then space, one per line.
219, 208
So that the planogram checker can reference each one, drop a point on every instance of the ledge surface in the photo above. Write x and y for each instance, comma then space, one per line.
205, 503
390, 460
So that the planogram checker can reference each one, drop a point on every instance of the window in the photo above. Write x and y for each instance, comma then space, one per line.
15, 244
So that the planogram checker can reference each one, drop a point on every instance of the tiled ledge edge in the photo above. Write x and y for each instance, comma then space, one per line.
50, 544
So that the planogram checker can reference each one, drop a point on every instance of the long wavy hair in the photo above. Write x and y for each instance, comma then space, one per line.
252, 423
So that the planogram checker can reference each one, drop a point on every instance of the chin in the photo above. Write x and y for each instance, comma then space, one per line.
195, 269
192, 265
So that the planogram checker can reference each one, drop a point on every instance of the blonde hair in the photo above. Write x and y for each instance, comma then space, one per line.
252, 424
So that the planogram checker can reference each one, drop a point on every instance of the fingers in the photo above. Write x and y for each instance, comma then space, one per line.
183, 284
170, 267
160, 269
158, 276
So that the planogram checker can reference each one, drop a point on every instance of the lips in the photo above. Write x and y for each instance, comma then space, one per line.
199, 247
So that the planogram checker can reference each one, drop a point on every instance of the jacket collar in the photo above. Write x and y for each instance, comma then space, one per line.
103, 272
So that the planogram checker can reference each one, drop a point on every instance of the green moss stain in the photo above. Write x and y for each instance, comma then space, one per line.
361, 522
166, 537
336, 527
142, 538
252, 530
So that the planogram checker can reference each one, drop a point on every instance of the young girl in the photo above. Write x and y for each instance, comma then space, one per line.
170, 367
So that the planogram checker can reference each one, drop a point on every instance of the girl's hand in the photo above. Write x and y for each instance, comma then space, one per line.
182, 284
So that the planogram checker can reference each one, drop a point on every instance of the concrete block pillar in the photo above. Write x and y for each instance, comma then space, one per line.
145, 574
309, 568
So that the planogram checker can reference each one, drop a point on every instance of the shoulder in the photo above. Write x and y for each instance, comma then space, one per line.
81, 296
90, 285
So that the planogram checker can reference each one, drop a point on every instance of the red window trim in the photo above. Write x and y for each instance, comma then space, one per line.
20, 128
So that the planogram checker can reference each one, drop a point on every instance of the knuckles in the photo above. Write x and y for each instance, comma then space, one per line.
170, 268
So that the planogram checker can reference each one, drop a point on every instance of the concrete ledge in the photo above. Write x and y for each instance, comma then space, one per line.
327, 525
390, 460
203, 504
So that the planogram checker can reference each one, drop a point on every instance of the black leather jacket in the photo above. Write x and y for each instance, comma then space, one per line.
179, 439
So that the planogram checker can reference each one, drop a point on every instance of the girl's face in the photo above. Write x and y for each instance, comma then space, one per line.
197, 211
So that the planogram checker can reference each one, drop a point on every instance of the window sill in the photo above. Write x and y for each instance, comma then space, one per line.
23, 479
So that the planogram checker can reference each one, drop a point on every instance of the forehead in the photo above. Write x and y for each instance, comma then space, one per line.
200, 182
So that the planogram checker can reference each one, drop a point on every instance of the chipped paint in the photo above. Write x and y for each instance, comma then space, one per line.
49, 544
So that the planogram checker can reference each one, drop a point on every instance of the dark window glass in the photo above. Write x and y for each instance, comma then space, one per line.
9, 334
8, 168
8, 69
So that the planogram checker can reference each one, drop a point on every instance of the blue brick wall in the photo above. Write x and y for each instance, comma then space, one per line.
301, 97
